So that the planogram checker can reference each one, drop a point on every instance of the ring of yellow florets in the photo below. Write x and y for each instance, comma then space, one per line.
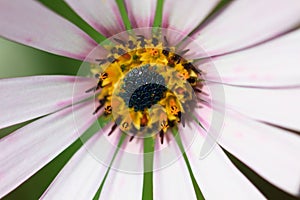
141, 74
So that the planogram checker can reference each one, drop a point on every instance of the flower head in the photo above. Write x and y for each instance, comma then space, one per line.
147, 106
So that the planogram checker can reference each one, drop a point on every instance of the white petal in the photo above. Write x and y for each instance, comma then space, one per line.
245, 23
216, 176
28, 149
180, 18
280, 106
271, 152
173, 180
34, 25
122, 184
275, 63
26, 98
103, 15
82, 175
141, 13
184, 16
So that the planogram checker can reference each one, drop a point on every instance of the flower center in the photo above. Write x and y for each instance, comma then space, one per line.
145, 85
151, 88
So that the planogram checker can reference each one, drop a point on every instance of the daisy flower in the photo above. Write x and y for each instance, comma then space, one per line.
173, 100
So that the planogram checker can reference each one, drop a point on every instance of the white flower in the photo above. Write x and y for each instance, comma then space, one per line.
254, 47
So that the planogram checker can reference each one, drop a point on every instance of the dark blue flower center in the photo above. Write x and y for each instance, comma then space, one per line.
143, 87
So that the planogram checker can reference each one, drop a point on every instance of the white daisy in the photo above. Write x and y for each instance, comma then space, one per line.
156, 73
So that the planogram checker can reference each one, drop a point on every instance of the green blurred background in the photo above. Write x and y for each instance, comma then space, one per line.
16, 61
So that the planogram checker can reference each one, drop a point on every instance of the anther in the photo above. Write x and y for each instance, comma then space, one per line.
166, 43
141, 37
143, 44
161, 135
155, 41
192, 80
98, 108
142, 40
190, 66
120, 41
91, 89
113, 50
111, 59
101, 102
102, 61
121, 51
187, 66
108, 110
179, 114
131, 45
176, 58
125, 125
131, 138
197, 90
113, 128
184, 52
166, 52
183, 120
99, 85
101, 77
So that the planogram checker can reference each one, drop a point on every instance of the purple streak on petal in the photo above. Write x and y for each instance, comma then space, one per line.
48, 31
184, 17
27, 98
256, 87
241, 25
258, 43
141, 13
39, 142
261, 147
102, 15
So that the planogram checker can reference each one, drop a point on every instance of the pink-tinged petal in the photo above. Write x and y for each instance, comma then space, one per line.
82, 175
184, 16
123, 182
28, 149
271, 152
30, 23
122, 185
243, 24
274, 64
280, 106
103, 15
216, 176
173, 180
141, 13
26, 98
